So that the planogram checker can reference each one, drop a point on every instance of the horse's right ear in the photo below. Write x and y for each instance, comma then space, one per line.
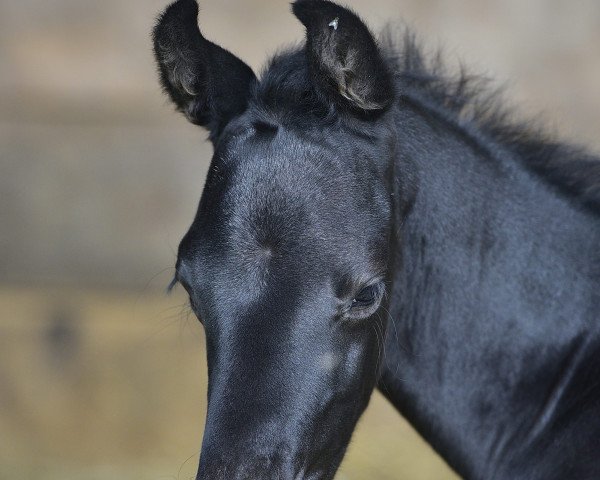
208, 84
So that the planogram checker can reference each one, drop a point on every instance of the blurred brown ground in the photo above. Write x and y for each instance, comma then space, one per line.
101, 375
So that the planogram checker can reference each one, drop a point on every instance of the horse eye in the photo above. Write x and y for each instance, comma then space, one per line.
366, 296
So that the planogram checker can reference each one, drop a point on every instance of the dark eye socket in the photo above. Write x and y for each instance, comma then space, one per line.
365, 297
185, 285
193, 303
183, 282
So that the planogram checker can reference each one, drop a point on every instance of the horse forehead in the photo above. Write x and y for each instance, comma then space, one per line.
276, 194
286, 196
286, 149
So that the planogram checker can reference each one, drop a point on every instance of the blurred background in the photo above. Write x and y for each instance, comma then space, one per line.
102, 376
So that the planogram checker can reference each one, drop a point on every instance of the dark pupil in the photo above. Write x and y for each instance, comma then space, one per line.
365, 296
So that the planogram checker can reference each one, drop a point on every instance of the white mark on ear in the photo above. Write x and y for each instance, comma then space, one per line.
334, 23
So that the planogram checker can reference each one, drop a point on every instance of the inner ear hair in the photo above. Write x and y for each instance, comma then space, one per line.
344, 58
208, 84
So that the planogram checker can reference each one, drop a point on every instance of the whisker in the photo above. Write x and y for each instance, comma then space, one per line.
185, 462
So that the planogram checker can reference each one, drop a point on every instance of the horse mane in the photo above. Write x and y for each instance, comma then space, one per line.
462, 98
477, 109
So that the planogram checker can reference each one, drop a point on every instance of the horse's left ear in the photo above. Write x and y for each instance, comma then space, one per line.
344, 59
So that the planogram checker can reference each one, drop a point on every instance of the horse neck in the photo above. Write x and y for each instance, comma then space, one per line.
494, 300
